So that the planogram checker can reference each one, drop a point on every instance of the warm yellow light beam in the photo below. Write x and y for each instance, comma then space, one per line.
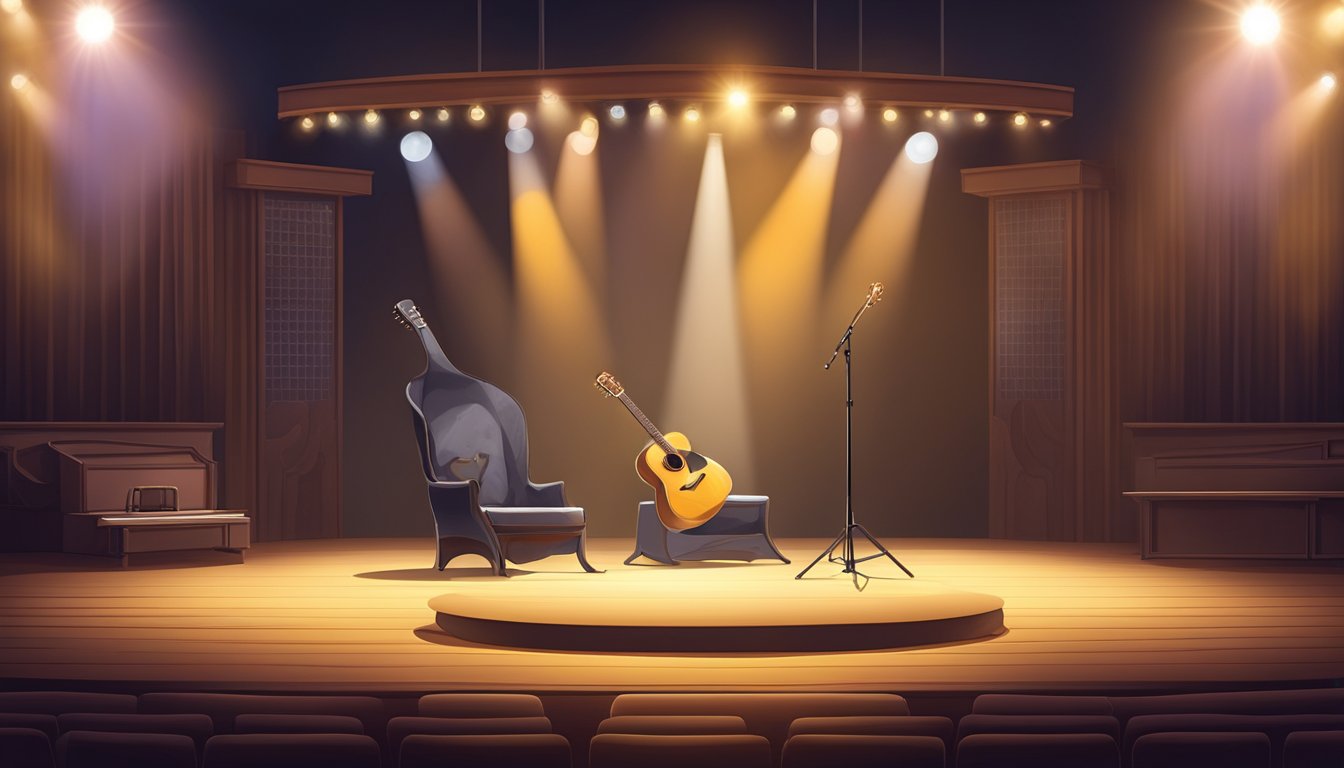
561, 343
882, 243
467, 277
578, 203
779, 278
706, 388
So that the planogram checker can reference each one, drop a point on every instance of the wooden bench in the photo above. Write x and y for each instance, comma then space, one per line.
1305, 525
120, 535
1238, 490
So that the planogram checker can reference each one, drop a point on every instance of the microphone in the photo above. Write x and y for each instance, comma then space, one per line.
874, 296
874, 293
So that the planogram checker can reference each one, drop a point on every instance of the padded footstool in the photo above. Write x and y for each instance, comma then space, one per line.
738, 532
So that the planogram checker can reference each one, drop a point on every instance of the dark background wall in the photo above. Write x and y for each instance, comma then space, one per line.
1209, 330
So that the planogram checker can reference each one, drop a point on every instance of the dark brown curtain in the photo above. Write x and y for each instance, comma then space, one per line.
1231, 251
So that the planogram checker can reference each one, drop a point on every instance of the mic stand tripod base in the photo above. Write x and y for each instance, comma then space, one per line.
847, 558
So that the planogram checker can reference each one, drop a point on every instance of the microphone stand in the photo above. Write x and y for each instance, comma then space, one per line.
845, 541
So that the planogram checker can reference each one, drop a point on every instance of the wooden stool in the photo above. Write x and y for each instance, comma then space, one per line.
737, 532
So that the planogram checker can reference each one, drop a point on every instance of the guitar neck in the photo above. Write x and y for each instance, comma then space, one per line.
644, 422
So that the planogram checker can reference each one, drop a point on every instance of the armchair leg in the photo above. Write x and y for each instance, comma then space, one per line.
580, 552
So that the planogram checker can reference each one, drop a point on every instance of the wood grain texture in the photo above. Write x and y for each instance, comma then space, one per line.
353, 615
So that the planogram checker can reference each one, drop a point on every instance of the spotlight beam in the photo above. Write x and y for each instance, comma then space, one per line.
706, 388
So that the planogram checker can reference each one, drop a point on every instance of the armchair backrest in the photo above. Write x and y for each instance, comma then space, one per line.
468, 429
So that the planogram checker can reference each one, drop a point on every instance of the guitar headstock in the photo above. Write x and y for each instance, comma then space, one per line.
408, 314
608, 384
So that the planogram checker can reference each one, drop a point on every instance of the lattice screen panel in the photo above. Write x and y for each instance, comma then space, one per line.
1030, 238
300, 298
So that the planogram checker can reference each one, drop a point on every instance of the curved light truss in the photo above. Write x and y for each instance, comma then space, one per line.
699, 83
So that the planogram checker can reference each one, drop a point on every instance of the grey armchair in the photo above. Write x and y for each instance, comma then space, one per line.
473, 449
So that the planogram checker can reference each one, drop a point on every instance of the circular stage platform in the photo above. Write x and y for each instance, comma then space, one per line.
710, 609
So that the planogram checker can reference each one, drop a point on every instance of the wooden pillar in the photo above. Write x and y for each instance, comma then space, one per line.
283, 425
1053, 429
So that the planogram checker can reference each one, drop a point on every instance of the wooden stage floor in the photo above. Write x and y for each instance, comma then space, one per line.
352, 615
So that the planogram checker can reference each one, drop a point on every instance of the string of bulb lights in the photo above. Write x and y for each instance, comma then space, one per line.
416, 145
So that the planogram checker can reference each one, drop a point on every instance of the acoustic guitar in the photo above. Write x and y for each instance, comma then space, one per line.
688, 488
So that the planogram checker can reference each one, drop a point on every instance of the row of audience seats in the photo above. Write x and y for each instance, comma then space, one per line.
1276, 729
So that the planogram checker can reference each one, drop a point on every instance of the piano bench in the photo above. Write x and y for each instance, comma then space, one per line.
120, 535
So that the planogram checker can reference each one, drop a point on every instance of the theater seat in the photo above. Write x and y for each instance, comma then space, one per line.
1183, 750
1031, 704
1276, 727
398, 728
766, 714
253, 723
481, 705
1314, 749
224, 708
624, 750
673, 725
198, 728
44, 723
291, 750
1038, 750
973, 724
99, 749
1313, 701
527, 750
909, 725
25, 748
60, 702
824, 750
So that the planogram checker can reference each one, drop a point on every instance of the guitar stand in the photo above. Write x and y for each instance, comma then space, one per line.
846, 537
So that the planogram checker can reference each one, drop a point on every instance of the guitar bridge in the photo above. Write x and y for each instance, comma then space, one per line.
692, 484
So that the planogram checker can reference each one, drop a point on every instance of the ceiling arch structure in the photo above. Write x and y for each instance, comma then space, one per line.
689, 83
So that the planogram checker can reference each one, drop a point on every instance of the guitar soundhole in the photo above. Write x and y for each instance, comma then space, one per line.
673, 462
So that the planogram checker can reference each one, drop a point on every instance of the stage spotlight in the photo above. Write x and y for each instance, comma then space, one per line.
589, 127
477, 113
416, 146
443, 114
307, 123
830, 116
825, 140
944, 116
18, 82
333, 119
1020, 119
980, 118
518, 140
548, 96
737, 98
583, 145
853, 103
1260, 24
414, 114
1334, 22
1328, 81
921, 148
692, 115
517, 120
95, 24
656, 110
1045, 122
617, 112
11, 6
788, 112
371, 117
890, 115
